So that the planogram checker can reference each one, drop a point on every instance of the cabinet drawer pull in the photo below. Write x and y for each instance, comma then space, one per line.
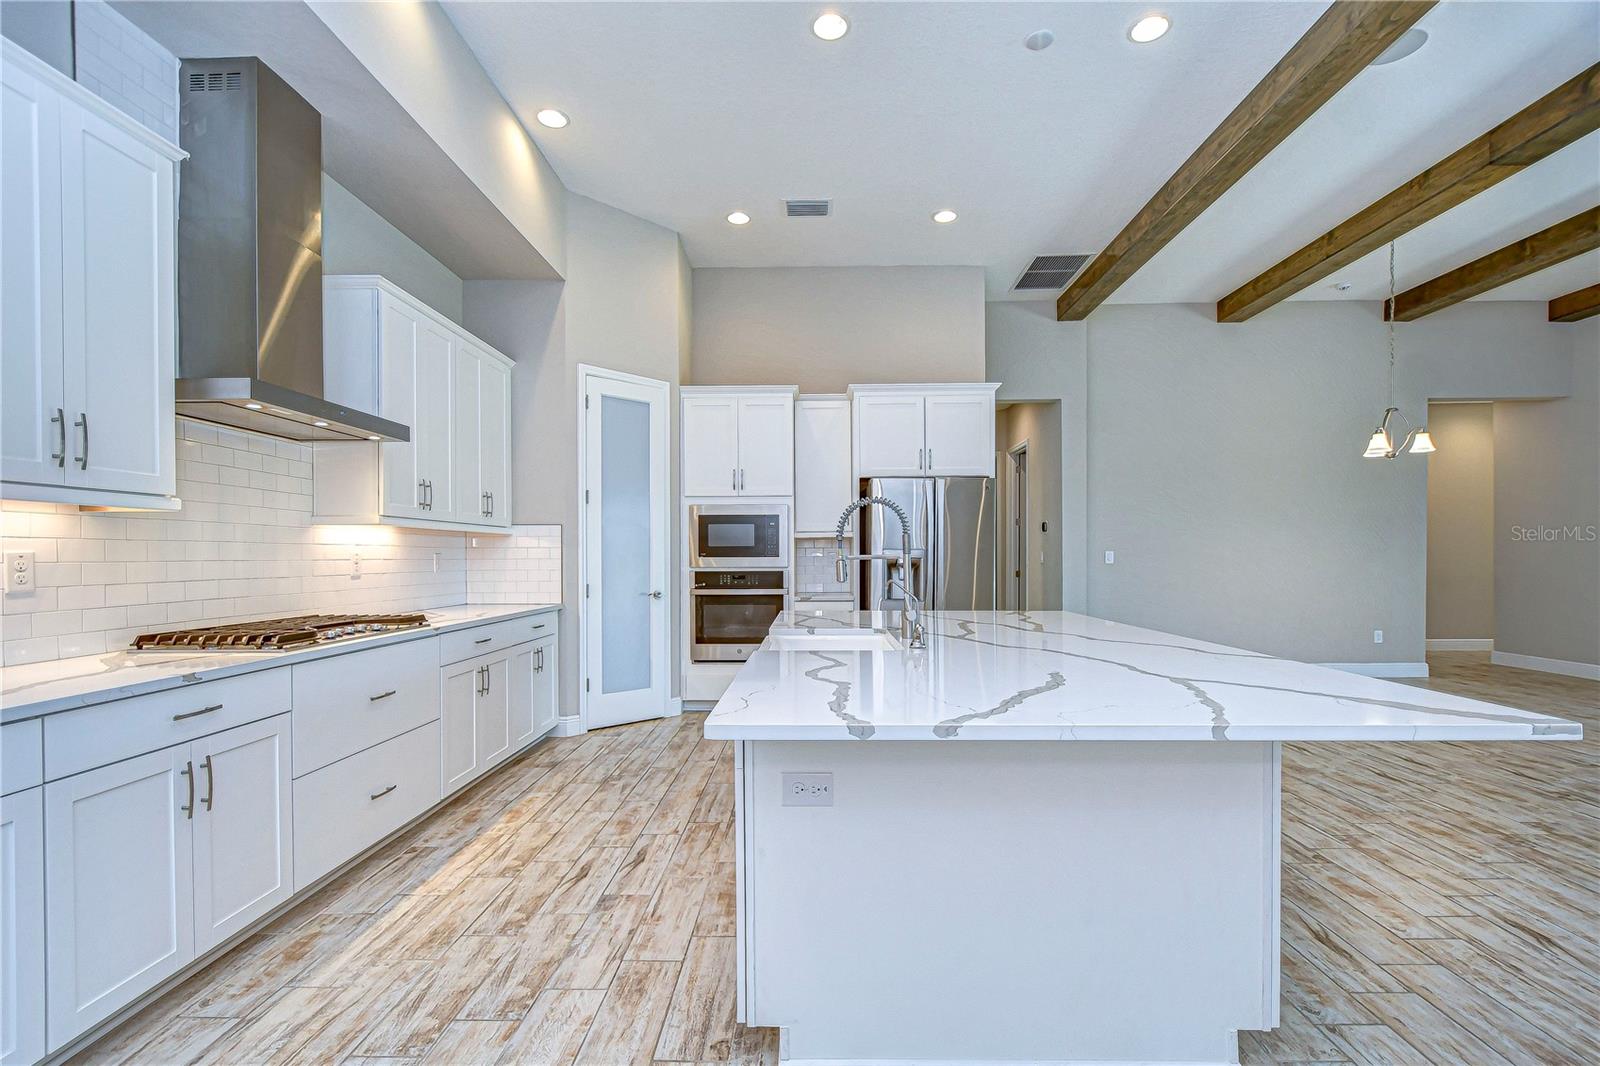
197, 714
382, 792
60, 455
381, 696
483, 640
539, 626
188, 773
211, 784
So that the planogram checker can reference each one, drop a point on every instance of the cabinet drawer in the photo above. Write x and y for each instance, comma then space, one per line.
341, 809
479, 640
21, 756
94, 736
351, 702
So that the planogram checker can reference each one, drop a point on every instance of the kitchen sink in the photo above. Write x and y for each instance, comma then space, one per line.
838, 640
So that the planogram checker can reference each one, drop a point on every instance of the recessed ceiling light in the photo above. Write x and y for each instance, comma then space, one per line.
1038, 40
372, 436
1409, 42
253, 406
552, 118
1149, 28
738, 218
944, 216
830, 26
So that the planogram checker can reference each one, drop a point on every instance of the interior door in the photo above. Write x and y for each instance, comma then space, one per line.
960, 433
32, 410
710, 446
243, 865
119, 338
22, 1039
466, 459
494, 439
888, 434
119, 872
397, 364
625, 542
766, 446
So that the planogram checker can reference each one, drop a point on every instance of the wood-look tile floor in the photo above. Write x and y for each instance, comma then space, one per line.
1440, 905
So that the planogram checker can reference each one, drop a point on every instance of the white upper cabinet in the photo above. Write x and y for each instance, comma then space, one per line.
924, 430
89, 287
738, 441
822, 474
386, 351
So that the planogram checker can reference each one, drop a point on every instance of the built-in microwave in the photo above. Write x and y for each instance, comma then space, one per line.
736, 536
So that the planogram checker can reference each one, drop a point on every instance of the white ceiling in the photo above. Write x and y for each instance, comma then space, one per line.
682, 112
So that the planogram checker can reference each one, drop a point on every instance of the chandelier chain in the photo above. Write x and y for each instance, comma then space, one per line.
1389, 314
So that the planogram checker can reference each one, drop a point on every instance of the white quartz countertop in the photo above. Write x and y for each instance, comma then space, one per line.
1051, 675
35, 689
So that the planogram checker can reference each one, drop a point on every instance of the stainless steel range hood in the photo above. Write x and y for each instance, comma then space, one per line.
250, 259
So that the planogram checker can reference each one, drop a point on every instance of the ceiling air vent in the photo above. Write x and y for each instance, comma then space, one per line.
1050, 272
807, 208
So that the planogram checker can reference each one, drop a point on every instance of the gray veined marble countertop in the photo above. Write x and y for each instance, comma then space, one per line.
1052, 675
34, 689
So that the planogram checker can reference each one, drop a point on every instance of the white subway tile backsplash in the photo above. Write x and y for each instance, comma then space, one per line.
522, 568
814, 568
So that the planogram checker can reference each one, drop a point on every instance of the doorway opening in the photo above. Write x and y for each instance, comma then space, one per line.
1461, 535
1017, 553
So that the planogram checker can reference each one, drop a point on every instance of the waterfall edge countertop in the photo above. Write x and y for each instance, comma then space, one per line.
34, 689
1054, 675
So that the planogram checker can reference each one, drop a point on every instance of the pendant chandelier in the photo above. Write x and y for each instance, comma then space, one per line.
1416, 441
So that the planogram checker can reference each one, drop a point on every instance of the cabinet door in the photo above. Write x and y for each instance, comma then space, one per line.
32, 407
431, 431
397, 367
546, 690
766, 445
22, 1027
494, 439
119, 334
710, 446
243, 855
888, 434
466, 463
960, 433
119, 877
822, 481
493, 712
458, 724
520, 695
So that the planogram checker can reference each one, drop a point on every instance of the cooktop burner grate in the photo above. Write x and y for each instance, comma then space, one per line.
280, 634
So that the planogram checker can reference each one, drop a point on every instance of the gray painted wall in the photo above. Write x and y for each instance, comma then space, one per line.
1461, 521
358, 240
1223, 461
1039, 426
620, 307
43, 27
1547, 474
824, 328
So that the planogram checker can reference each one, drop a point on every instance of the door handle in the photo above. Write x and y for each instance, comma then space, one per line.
491, 505
930, 458
197, 714
381, 696
487, 681
735, 486
652, 595
60, 455
83, 424
382, 792
211, 784
188, 772
422, 494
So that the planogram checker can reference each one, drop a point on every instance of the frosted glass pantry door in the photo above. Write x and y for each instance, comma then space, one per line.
625, 605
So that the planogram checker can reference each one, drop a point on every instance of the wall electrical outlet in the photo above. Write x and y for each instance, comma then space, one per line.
807, 790
355, 566
1377, 636
1111, 557
19, 573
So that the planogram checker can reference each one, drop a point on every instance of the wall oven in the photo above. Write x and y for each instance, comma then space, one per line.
733, 611
736, 536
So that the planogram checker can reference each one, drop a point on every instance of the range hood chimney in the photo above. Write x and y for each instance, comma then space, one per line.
250, 259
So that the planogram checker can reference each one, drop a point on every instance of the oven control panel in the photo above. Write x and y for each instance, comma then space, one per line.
741, 579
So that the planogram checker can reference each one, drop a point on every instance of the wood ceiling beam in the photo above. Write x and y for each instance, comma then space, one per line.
1576, 306
1557, 244
1340, 45
1564, 115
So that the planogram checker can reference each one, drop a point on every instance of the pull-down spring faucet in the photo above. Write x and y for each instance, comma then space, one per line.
910, 618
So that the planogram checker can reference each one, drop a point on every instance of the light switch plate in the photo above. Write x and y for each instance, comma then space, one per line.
807, 790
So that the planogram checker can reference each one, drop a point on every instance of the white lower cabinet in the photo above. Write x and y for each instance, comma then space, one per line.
22, 1021
534, 706
546, 687
492, 709
493, 706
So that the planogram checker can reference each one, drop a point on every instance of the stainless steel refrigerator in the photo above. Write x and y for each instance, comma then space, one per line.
953, 531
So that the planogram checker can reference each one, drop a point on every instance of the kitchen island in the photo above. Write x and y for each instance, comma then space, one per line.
1013, 900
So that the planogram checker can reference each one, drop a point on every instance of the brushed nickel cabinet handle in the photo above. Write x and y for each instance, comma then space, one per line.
197, 714
60, 455
211, 784
539, 626
381, 696
422, 494
188, 772
83, 424
483, 640
382, 792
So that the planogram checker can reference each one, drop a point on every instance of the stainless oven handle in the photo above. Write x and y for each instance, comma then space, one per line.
738, 592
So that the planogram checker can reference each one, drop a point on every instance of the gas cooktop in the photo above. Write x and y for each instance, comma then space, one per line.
279, 634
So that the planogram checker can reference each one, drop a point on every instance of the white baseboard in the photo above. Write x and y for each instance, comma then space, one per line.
1382, 669
674, 706
1461, 644
1588, 671
568, 727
